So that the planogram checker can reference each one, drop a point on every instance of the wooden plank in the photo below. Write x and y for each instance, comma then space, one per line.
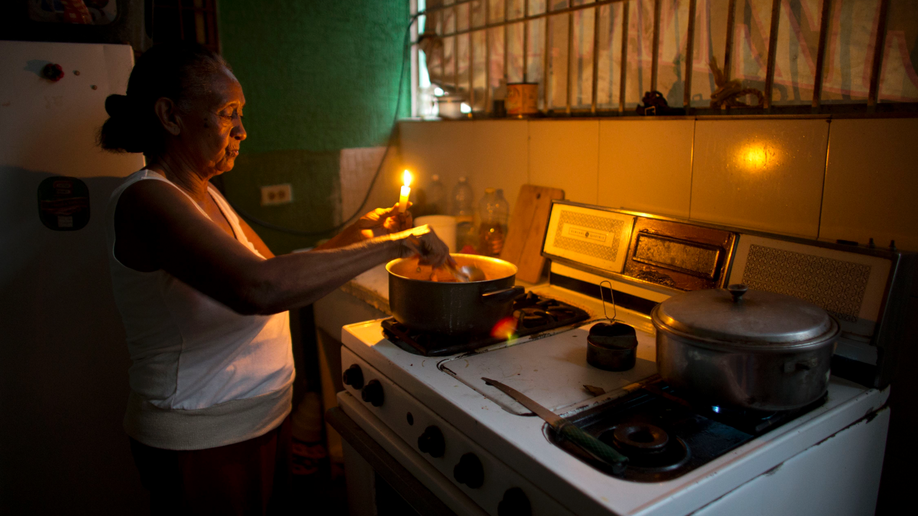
520, 223
532, 263
523, 246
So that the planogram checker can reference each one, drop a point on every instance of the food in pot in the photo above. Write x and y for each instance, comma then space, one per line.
475, 270
449, 307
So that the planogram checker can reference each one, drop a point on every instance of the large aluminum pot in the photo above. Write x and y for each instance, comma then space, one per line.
745, 348
448, 307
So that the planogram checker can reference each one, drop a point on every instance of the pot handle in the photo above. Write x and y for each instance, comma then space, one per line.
497, 297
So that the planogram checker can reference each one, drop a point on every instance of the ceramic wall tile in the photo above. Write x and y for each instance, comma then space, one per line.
443, 148
646, 165
760, 174
564, 154
499, 157
356, 169
871, 186
490, 153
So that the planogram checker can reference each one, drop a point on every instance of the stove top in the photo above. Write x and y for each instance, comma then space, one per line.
532, 314
683, 457
552, 369
665, 435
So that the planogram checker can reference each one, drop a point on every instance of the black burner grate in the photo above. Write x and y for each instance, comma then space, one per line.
533, 314
697, 433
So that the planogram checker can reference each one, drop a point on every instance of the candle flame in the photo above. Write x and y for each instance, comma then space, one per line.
406, 177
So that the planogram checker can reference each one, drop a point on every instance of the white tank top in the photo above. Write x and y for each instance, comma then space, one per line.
189, 351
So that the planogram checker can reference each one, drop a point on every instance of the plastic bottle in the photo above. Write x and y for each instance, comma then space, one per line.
462, 209
493, 210
436, 196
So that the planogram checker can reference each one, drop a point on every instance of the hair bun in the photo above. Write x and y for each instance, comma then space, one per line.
116, 105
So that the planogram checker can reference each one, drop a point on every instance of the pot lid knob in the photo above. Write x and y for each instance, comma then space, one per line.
737, 290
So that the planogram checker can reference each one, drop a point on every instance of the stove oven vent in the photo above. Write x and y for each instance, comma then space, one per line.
648, 258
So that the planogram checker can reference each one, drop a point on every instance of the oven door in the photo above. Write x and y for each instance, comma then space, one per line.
839, 476
379, 483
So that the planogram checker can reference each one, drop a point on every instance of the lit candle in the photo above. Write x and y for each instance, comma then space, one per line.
403, 198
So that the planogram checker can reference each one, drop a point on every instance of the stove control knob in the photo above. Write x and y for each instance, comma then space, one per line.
469, 471
432, 442
515, 503
373, 393
354, 377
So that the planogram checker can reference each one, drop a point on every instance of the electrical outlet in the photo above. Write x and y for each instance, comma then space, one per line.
276, 194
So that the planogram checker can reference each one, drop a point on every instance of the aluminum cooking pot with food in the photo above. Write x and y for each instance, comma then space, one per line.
745, 348
431, 300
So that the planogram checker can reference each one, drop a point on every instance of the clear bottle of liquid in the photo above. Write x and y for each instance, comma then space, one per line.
493, 210
463, 210
436, 196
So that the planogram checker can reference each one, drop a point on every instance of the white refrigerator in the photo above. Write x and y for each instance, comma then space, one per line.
63, 361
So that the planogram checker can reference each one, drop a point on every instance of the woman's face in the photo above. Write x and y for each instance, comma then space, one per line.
213, 130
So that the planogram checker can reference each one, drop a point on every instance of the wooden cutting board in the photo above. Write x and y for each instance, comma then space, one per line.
523, 246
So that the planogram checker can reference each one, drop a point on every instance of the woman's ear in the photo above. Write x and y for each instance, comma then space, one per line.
166, 113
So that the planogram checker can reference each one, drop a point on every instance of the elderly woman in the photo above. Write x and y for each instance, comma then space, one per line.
203, 301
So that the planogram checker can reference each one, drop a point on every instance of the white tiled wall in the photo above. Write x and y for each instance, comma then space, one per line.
646, 165
564, 154
849, 179
872, 182
760, 174
492, 154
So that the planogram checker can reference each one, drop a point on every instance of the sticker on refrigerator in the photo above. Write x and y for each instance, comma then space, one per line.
63, 203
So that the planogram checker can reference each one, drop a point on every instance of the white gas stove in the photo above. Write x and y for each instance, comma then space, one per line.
430, 428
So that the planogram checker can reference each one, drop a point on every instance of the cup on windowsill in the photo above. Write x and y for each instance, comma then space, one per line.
450, 107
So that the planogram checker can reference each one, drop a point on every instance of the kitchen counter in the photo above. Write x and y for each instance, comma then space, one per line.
363, 298
371, 287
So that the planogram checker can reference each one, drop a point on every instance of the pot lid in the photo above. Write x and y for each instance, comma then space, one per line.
740, 317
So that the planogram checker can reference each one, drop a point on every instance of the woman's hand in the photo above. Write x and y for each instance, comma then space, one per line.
426, 244
377, 223
382, 221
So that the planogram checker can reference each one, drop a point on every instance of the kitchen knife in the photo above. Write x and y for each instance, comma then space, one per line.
565, 428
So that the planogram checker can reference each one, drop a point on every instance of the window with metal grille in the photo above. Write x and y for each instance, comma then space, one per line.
599, 57
193, 20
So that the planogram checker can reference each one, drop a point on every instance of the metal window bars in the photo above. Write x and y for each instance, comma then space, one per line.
752, 32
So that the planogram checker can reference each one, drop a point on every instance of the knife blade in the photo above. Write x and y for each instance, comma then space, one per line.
565, 428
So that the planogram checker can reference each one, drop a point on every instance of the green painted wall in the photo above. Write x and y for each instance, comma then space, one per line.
319, 76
